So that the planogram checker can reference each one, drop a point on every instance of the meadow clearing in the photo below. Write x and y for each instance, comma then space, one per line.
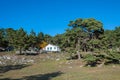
56, 67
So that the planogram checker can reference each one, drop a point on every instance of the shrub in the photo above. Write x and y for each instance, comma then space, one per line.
91, 60
113, 57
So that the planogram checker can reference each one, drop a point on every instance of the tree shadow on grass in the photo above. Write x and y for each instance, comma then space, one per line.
47, 76
7, 68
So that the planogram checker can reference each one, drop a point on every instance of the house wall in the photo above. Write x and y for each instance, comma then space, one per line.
50, 47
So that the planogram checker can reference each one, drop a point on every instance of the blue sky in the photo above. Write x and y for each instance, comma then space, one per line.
53, 16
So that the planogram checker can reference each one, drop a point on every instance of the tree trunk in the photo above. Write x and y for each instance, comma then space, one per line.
20, 50
78, 53
78, 48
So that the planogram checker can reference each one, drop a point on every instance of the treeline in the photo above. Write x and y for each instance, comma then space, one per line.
83, 35
21, 40
88, 35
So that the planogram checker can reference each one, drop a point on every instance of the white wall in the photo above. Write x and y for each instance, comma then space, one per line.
50, 47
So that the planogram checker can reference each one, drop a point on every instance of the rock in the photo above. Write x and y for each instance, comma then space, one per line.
0, 63
113, 66
30, 61
4, 57
8, 57
13, 60
1, 57
48, 57
81, 65
57, 59
100, 65
70, 67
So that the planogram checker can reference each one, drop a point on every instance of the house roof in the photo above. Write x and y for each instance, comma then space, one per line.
51, 45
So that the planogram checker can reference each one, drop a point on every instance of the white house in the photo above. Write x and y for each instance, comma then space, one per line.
51, 47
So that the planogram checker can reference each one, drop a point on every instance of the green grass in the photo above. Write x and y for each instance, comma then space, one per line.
61, 70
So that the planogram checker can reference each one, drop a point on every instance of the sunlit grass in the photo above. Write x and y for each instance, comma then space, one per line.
70, 70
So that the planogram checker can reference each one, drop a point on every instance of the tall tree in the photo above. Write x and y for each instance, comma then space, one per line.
93, 30
48, 38
11, 36
117, 36
57, 40
20, 39
32, 39
76, 38
3, 41
40, 37
94, 27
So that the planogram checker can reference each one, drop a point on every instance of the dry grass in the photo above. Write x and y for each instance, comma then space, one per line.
48, 69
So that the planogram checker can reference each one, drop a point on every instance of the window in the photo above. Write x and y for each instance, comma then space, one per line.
50, 48
54, 47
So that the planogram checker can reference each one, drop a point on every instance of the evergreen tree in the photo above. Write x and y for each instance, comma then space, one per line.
20, 41
3, 41
11, 36
32, 39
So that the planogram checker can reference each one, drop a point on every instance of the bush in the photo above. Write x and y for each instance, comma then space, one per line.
113, 57
91, 60
110, 57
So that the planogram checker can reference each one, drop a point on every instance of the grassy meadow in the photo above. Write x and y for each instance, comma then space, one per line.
56, 67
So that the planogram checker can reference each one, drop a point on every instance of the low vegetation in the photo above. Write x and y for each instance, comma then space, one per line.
55, 67
87, 50
84, 35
